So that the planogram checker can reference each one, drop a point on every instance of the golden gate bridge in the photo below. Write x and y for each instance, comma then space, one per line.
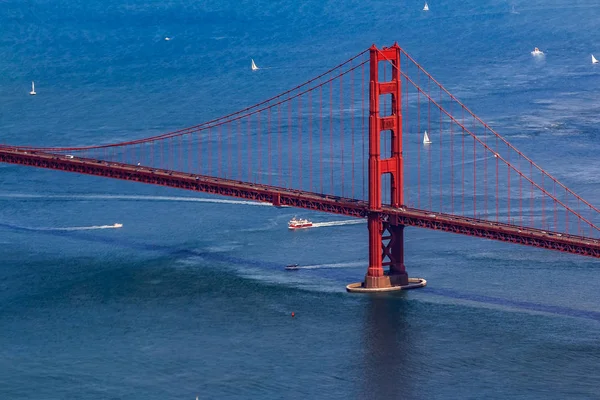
350, 142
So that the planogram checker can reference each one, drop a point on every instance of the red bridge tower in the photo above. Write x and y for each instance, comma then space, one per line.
386, 235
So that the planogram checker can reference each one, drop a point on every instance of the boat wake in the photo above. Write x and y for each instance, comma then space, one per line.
135, 198
331, 266
338, 223
81, 228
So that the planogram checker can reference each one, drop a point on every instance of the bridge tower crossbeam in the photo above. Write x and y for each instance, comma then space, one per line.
386, 234
386, 239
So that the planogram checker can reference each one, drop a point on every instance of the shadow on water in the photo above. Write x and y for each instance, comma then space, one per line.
134, 245
387, 343
393, 303
516, 304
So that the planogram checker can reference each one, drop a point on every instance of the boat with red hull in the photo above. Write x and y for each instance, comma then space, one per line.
299, 223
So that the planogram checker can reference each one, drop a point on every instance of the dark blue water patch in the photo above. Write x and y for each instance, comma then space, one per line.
520, 305
152, 247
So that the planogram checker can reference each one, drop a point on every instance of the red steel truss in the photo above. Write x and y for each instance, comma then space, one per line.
388, 216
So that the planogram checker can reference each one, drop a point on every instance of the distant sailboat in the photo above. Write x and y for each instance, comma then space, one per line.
426, 7
32, 89
594, 61
426, 138
537, 52
254, 67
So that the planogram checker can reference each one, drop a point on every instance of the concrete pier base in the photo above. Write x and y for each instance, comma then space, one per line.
386, 285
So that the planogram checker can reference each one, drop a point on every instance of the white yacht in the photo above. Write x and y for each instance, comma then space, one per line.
254, 67
33, 93
426, 7
594, 61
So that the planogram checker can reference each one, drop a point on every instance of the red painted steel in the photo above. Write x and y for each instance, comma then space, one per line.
385, 250
313, 201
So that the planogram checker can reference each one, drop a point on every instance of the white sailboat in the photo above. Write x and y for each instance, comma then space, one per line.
33, 93
594, 61
426, 138
537, 52
254, 67
426, 7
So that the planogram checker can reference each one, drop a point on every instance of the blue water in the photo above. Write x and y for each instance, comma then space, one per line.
189, 298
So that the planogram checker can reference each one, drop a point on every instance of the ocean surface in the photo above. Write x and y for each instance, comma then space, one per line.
189, 298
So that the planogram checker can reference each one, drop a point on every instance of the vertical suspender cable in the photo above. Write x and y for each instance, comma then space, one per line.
321, 138
342, 130
269, 152
219, 158
300, 142
279, 147
258, 147
364, 169
310, 141
331, 187
352, 126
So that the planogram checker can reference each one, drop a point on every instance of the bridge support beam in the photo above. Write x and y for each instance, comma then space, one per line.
386, 238
386, 248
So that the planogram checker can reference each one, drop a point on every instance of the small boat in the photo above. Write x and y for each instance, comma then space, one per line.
426, 138
33, 93
254, 67
292, 267
167, 38
594, 61
426, 7
118, 225
299, 223
537, 52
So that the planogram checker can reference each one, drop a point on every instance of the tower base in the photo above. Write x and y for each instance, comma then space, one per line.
386, 283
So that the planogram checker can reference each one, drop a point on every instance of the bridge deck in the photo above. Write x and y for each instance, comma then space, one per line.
314, 201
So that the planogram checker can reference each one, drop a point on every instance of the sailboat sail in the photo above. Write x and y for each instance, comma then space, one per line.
426, 138
426, 8
594, 61
32, 88
254, 67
